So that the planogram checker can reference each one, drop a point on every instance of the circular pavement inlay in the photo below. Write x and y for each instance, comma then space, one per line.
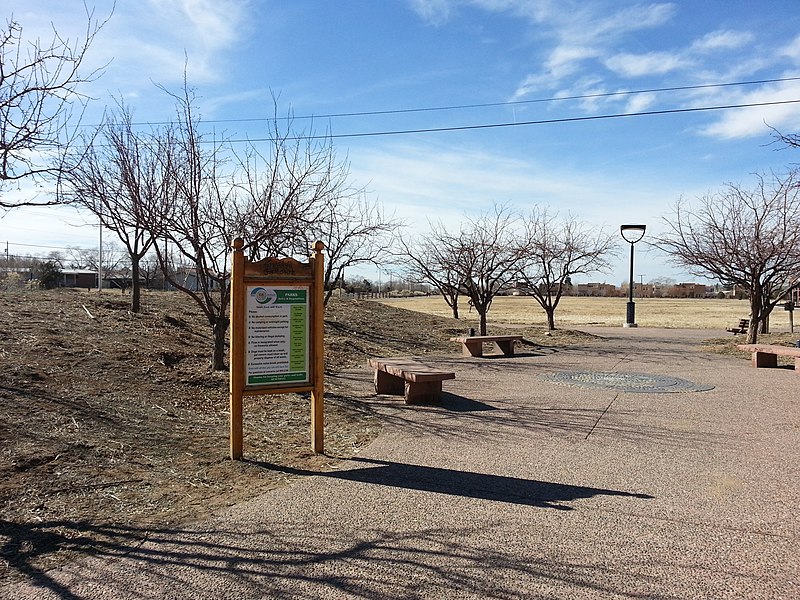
626, 382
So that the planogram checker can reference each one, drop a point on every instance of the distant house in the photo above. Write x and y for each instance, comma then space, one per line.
595, 289
644, 290
187, 278
689, 290
80, 278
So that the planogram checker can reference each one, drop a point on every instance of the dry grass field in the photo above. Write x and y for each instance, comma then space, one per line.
573, 312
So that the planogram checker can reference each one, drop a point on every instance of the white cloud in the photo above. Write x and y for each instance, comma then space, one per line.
562, 63
722, 40
640, 102
584, 32
637, 65
635, 18
431, 182
792, 50
146, 42
755, 121
562, 59
434, 12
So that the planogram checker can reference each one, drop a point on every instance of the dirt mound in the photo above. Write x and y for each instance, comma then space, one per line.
114, 421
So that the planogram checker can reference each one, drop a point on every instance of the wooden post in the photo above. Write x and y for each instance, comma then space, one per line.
237, 349
317, 393
247, 277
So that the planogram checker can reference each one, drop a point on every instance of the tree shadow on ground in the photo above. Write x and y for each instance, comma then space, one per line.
274, 559
293, 560
504, 417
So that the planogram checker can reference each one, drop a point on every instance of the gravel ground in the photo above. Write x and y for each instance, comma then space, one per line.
514, 487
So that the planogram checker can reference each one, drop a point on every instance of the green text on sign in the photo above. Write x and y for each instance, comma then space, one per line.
291, 296
277, 378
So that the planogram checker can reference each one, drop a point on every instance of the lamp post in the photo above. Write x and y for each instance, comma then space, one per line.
631, 234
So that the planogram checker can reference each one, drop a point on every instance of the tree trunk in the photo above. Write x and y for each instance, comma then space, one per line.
454, 308
220, 330
136, 288
551, 318
752, 332
483, 323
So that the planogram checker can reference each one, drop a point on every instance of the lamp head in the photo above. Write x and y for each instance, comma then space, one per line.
632, 233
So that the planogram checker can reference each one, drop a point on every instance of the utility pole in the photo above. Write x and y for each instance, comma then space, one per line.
100, 262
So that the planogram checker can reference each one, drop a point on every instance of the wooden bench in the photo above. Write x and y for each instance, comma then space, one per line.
744, 325
472, 345
401, 376
766, 355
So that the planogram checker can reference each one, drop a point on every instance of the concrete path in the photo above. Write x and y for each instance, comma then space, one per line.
515, 487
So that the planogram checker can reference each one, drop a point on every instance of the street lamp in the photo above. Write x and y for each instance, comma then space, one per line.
631, 234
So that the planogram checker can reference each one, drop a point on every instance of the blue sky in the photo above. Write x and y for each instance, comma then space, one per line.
526, 59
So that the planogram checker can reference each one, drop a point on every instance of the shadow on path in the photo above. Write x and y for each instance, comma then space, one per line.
290, 560
482, 486
456, 403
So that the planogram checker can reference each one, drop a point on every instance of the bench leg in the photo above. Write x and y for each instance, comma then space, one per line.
472, 348
388, 384
423, 392
506, 348
764, 359
797, 365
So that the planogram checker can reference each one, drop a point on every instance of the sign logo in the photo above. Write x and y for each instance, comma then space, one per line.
264, 296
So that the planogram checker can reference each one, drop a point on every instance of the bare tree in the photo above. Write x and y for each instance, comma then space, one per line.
39, 90
481, 256
554, 249
426, 260
790, 140
74, 257
355, 230
118, 175
193, 247
750, 237
150, 272
284, 189
265, 196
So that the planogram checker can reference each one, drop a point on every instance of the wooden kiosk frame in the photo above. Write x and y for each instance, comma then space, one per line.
261, 282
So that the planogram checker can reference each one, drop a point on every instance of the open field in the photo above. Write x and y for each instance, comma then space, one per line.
606, 312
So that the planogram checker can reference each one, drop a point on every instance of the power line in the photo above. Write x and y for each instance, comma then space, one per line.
533, 101
48, 247
369, 113
521, 123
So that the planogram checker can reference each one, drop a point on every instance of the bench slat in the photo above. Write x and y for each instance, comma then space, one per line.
410, 371
472, 345
417, 383
766, 355
486, 338
770, 349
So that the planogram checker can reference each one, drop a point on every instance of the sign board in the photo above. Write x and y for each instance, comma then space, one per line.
276, 334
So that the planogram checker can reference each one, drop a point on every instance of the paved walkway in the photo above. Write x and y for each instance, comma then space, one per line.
514, 488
